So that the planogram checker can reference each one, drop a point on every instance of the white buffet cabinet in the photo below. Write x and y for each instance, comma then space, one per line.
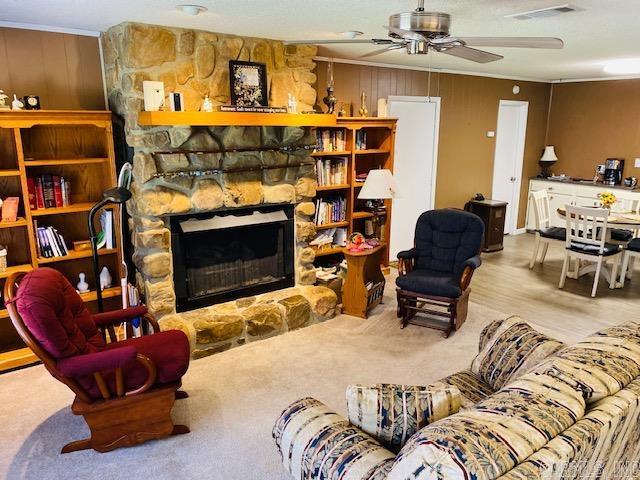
570, 193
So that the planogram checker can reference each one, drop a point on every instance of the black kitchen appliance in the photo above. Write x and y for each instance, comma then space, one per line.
613, 171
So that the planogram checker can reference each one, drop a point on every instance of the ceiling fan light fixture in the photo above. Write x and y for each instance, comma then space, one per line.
351, 34
623, 66
190, 9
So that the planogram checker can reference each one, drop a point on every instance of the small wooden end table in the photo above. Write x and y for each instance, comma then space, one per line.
364, 285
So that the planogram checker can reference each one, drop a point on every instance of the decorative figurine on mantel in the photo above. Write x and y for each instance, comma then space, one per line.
82, 286
363, 104
330, 100
207, 104
16, 104
3, 101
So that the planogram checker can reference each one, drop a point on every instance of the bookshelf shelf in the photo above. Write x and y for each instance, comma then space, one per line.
73, 255
331, 154
327, 226
106, 293
329, 251
327, 188
20, 222
61, 161
77, 145
362, 215
73, 208
371, 151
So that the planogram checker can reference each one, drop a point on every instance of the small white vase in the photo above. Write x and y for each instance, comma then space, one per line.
82, 286
105, 278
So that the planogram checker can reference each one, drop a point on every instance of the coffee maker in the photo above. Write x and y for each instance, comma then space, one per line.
613, 171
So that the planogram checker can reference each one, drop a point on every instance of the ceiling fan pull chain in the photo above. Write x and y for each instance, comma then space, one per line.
420, 6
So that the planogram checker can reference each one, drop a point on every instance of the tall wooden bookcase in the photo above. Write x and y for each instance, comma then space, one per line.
79, 146
380, 133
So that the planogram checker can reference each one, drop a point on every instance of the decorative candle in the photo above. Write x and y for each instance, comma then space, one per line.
330, 74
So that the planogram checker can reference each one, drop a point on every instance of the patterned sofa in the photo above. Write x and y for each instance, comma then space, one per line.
531, 408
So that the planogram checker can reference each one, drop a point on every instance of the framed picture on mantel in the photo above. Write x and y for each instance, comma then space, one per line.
248, 81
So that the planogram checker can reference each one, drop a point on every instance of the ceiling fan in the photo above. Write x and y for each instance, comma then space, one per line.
419, 32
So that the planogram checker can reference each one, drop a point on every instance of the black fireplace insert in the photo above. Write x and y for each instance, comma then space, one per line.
227, 254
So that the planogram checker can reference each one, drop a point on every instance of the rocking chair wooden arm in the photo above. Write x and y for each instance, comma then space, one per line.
107, 321
120, 380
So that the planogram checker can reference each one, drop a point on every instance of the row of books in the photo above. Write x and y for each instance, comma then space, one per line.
330, 210
361, 140
48, 191
331, 171
50, 243
331, 140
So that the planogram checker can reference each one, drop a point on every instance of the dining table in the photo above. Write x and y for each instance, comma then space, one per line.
618, 219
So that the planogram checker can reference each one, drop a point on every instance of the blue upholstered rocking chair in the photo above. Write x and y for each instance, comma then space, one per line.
434, 276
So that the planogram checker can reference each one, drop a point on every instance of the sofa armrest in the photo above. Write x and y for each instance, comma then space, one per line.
82, 365
314, 442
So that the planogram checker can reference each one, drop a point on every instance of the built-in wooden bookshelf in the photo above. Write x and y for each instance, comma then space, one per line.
79, 146
378, 153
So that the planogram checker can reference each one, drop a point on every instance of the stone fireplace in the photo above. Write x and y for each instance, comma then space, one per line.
218, 204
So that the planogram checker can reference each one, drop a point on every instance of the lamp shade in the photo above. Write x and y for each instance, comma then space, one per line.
379, 185
549, 154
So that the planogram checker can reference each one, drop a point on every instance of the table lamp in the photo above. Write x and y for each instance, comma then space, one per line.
378, 187
548, 158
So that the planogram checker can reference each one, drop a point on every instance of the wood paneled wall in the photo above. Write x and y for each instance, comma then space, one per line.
64, 70
593, 121
469, 109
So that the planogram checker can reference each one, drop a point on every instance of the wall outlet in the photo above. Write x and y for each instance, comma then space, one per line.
637, 164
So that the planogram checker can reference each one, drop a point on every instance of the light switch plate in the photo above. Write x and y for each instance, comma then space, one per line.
491, 134
637, 164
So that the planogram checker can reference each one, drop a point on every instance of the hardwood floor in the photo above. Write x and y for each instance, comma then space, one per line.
505, 283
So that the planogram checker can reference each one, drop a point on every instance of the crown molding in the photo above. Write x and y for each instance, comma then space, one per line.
49, 28
597, 79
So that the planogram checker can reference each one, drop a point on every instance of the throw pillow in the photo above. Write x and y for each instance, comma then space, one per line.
393, 413
514, 349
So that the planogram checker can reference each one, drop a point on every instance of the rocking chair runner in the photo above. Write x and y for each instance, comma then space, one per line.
124, 389
435, 275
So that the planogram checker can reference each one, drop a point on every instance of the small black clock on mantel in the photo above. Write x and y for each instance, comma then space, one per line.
31, 102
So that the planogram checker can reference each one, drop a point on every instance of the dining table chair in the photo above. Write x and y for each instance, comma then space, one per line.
631, 253
545, 234
586, 229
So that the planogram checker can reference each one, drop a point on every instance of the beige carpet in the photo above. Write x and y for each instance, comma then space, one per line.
235, 398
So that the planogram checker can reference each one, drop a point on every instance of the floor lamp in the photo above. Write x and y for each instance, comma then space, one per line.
378, 187
113, 196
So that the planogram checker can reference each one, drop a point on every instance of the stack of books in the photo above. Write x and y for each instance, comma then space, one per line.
330, 210
50, 243
48, 191
361, 140
331, 140
331, 171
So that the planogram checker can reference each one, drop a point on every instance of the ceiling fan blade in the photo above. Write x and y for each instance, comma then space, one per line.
330, 42
517, 42
397, 46
407, 34
478, 56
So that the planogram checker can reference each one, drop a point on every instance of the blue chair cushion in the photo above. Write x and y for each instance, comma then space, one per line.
609, 249
431, 282
621, 235
556, 233
634, 245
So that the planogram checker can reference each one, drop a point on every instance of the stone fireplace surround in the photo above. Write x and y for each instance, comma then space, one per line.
196, 63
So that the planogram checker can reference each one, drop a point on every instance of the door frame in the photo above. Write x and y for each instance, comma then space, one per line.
436, 135
522, 138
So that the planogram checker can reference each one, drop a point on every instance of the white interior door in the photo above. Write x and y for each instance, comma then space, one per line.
414, 166
509, 154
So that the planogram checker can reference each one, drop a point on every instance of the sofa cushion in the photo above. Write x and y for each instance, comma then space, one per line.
472, 388
495, 435
316, 443
514, 349
600, 365
55, 315
431, 282
393, 413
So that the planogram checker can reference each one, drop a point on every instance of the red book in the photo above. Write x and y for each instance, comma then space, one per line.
31, 187
57, 191
39, 192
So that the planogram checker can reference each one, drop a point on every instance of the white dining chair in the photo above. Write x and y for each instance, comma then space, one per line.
631, 253
545, 233
628, 203
586, 234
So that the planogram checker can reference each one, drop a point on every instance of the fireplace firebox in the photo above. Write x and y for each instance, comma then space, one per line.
232, 253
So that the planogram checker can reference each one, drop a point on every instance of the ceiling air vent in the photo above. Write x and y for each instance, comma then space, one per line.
543, 12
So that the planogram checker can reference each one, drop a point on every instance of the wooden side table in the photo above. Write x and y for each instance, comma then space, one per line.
363, 269
492, 213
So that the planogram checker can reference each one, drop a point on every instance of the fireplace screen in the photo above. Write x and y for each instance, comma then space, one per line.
231, 254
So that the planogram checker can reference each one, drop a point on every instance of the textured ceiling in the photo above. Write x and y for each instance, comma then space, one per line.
601, 30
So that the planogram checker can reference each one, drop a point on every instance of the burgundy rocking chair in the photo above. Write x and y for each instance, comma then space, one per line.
124, 389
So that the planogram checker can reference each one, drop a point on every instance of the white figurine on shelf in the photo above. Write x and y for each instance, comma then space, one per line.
3, 101
292, 104
16, 104
105, 278
207, 104
82, 286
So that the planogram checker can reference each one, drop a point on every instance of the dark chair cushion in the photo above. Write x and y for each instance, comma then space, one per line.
55, 315
555, 233
609, 249
634, 245
431, 282
621, 235
446, 238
